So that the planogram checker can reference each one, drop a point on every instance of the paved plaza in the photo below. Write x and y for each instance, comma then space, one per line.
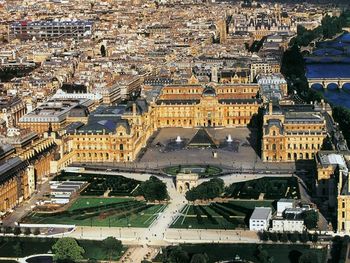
246, 158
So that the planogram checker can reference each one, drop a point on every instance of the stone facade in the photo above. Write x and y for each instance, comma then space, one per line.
185, 182
292, 132
208, 106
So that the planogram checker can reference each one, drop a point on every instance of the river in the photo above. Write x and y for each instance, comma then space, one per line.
331, 59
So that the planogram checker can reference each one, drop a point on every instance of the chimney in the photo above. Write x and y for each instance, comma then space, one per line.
270, 108
134, 109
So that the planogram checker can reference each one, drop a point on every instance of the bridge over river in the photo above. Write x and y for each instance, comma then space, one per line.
325, 82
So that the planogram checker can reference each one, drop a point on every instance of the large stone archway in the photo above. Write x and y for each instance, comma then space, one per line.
185, 182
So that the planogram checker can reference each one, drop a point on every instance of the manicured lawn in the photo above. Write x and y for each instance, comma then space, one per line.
231, 215
201, 170
113, 212
286, 253
83, 202
30, 246
272, 188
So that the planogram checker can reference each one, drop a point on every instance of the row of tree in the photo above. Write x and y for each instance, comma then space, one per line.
179, 255
17, 230
288, 236
207, 190
293, 68
152, 190
67, 249
263, 256
342, 116
330, 26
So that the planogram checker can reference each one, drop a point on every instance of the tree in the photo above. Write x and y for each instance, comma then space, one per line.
342, 116
152, 189
8, 230
103, 51
27, 231
112, 246
294, 256
207, 190
284, 237
18, 248
17, 231
178, 255
199, 258
310, 219
309, 257
264, 236
314, 238
67, 249
36, 231
304, 237
262, 255
293, 237
273, 236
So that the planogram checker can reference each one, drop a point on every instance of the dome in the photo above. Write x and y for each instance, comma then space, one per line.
209, 91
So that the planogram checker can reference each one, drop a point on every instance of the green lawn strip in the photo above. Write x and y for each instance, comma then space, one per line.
191, 222
204, 217
73, 217
136, 216
95, 202
179, 217
157, 209
185, 214
222, 252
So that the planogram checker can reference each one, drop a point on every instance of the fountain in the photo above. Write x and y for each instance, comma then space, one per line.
178, 139
229, 139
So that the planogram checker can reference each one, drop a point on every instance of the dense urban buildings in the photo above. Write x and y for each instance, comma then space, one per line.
198, 121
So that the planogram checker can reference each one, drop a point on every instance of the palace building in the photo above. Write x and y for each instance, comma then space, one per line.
118, 133
112, 133
294, 132
208, 106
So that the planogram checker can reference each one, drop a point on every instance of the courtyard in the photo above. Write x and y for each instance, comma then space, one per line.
241, 153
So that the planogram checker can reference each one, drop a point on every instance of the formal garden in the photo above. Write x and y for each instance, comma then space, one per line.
107, 249
267, 188
99, 184
202, 170
230, 215
104, 212
286, 253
